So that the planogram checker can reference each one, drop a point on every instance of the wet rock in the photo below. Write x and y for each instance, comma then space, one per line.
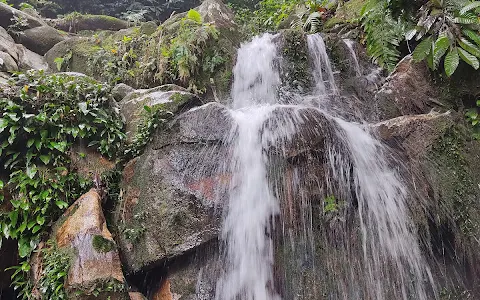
90, 22
171, 192
96, 264
7, 63
40, 39
409, 90
415, 134
168, 97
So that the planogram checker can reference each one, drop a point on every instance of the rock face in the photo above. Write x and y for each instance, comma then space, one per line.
90, 22
171, 191
409, 90
169, 97
96, 264
7, 14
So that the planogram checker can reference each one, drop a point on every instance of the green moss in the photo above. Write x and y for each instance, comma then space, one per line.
102, 245
295, 52
454, 182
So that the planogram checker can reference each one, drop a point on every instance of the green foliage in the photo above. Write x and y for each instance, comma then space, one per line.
383, 34
268, 15
456, 293
41, 117
449, 30
52, 274
473, 117
63, 63
184, 52
152, 118
330, 205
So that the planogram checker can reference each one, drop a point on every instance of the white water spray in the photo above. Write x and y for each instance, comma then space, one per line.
353, 54
247, 228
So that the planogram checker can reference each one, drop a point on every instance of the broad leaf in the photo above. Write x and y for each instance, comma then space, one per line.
472, 35
469, 7
467, 46
439, 49
451, 62
468, 58
422, 50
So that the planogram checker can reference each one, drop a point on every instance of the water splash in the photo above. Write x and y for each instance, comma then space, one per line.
322, 69
353, 54
247, 228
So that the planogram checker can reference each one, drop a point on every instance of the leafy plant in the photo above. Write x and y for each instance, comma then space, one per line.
41, 117
383, 34
62, 63
449, 30
473, 118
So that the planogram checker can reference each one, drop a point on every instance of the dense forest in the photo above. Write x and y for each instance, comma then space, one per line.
100, 100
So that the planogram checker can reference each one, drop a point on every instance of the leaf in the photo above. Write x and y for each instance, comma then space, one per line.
451, 62
40, 220
468, 58
59, 62
194, 16
45, 159
465, 44
83, 107
472, 35
61, 204
422, 50
147, 108
469, 7
31, 171
439, 49
13, 218
24, 247
1, 184
3, 124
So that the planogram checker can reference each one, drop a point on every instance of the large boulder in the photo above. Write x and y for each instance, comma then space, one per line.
409, 90
95, 265
7, 63
171, 192
40, 39
172, 98
9, 16
23, 58
90, 22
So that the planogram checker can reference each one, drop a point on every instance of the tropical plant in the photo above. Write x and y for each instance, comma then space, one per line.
383, 33
41, 116
450, 30
473, 117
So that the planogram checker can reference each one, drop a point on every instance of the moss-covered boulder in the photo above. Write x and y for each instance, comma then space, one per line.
78, 22
40, 39
9, 16
172, 190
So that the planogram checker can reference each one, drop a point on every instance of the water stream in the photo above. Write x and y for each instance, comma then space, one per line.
359, 170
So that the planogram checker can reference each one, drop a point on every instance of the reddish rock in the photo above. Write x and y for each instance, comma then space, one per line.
96, 261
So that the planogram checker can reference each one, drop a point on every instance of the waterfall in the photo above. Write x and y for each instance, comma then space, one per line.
358, 169
353, 54
251, 207
322, 65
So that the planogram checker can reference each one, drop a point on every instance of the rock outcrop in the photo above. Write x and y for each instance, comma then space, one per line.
171, 98
96, 264
171, 192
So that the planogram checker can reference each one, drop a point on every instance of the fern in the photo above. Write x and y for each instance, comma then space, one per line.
383, 34
313, 23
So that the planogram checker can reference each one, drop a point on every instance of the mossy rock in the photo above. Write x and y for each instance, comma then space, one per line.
40, 39
78, 22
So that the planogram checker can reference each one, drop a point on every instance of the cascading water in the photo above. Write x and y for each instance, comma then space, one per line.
252, 205
356, 65
359, 170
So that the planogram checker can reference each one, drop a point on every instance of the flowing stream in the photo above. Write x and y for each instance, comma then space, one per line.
390, 264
